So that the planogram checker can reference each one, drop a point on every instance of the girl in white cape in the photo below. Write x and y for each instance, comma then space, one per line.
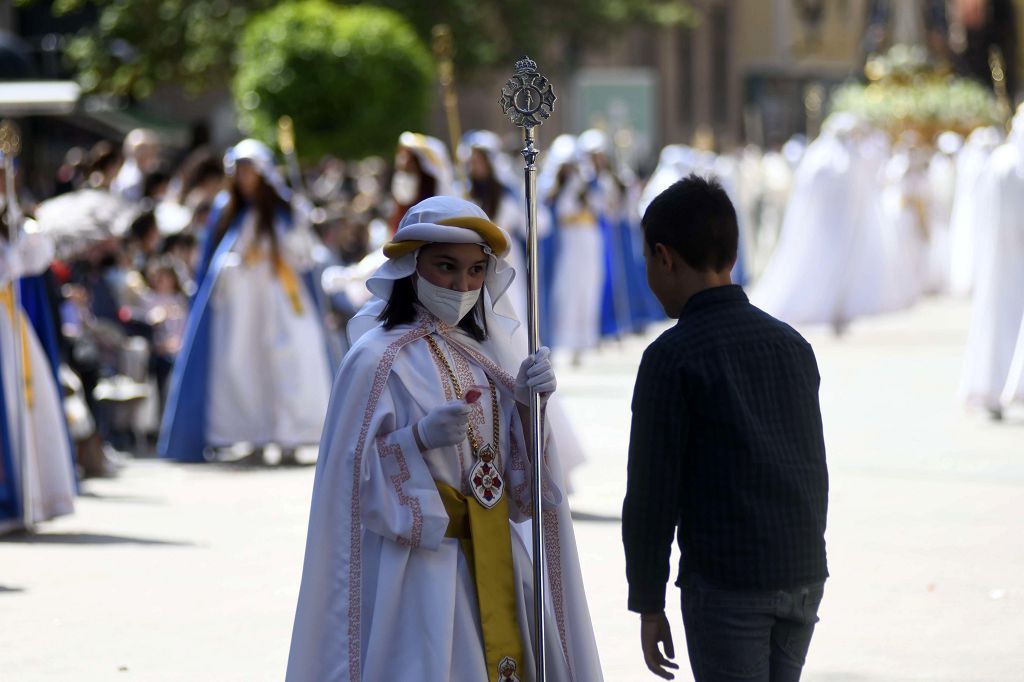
416, 568
35, 453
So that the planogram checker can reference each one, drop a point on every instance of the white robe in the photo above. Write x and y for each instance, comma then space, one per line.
971, 162
579, 272
269, 372
385, 595
48, 476
1013, 392
998, 303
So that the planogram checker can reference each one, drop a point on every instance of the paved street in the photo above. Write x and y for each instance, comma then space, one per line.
190, 572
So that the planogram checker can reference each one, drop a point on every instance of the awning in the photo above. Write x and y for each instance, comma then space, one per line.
38, 98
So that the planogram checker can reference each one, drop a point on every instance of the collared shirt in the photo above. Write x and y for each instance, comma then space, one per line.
727, 447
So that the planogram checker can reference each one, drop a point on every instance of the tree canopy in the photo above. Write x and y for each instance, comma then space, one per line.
137, 44
351, 78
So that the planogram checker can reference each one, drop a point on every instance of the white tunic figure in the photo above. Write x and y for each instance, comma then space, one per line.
254, 365
997, 306
270, 375
971, 164
806, 280
415, 567
35, 417
905, 211
579, 266
941, 189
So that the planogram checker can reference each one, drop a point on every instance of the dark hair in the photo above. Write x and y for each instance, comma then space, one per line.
401, 309
487, 193
142, 226
102, 156
152, 182
695, 217
267, 204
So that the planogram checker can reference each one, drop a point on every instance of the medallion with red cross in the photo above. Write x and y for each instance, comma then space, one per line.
485, 480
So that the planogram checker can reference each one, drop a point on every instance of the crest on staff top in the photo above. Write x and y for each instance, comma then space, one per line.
527, 98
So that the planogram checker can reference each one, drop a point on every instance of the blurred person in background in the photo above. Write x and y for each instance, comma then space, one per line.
141, 150
578, 277
35, 448
253, 368
422, 169
626, 304
991, 377
492, 187
103, 163
166, 309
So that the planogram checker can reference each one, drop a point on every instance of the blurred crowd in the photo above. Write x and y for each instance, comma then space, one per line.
195, 305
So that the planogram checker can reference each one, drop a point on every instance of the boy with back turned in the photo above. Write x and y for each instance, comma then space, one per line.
727, 453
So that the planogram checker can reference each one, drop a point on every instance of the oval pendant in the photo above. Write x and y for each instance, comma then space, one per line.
484, 479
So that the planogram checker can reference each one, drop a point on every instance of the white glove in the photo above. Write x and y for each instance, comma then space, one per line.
444, 425
536, 374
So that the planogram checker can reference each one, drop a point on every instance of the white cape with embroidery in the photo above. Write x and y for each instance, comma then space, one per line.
384, 595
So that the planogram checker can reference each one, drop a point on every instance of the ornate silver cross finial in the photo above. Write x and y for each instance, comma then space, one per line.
527, 98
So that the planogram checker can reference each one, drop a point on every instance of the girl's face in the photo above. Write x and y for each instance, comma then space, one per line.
479, 166
248, 179
164, 282
459, 267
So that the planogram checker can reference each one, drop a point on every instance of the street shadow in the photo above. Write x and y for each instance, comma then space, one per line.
86, 539
133, 499
586, 517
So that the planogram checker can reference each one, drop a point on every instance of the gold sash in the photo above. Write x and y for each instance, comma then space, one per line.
289, 280
18, 321
486, 540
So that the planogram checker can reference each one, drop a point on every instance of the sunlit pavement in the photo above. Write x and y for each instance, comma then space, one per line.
191, 572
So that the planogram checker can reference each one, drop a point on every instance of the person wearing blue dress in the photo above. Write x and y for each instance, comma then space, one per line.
254, 368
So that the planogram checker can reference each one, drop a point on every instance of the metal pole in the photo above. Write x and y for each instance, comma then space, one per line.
527, 99
10, 146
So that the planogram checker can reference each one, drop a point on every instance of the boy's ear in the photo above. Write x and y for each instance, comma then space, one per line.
664, 255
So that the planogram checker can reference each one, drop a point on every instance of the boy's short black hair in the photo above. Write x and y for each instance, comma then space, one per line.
695, 217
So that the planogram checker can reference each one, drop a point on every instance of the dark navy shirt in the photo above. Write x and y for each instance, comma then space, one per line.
726, 447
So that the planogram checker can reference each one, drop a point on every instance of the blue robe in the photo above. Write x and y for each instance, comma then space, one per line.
547, 256
10, 493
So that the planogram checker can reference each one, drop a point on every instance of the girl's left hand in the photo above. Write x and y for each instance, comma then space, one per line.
536, 374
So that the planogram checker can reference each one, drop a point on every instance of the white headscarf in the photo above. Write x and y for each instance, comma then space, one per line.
433, 158
490, 145
426, 222
262, 159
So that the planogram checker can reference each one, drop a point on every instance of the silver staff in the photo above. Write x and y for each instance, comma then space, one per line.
10, 147
527, 99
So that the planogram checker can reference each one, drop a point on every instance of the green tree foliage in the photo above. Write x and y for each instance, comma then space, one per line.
139, 43
351, 78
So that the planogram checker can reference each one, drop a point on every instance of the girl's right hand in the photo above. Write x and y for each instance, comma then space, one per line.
444, 425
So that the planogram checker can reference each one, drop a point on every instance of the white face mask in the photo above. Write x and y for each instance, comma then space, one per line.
448, 305
405, 187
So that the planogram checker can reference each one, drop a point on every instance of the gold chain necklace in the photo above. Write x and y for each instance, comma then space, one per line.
485, 481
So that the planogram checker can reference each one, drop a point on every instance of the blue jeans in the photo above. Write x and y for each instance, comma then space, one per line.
748, 635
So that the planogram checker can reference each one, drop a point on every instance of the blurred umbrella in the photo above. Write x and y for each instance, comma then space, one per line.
79, 219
